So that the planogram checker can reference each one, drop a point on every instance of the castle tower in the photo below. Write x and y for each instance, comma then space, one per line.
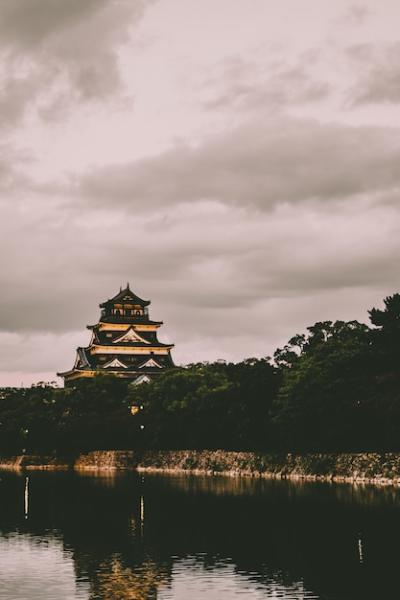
124, 342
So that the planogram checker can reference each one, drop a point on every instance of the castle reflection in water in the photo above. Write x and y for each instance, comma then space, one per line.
124, 537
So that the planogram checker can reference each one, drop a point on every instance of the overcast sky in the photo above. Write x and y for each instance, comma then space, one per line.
238, 161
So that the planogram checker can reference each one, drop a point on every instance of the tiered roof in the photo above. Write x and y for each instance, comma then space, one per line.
124, 342
125, 295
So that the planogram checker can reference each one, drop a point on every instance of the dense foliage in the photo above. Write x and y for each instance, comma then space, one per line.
93, 414
335, 388
211, 406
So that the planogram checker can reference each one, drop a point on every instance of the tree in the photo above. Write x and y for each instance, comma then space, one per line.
213, 405
94, 414
385, 338
322, 403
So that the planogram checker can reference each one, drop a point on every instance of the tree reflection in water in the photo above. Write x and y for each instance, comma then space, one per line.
131, 538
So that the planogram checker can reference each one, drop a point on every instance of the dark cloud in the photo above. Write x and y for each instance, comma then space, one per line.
259, 164
26, 24
203, 259
378, 78
54, 49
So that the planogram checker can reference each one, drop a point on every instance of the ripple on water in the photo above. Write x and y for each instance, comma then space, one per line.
81, 538
191, 578
35, 568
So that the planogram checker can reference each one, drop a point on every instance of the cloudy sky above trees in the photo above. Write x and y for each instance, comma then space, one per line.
238, 162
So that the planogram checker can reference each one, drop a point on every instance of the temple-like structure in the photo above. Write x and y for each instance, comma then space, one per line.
124, 342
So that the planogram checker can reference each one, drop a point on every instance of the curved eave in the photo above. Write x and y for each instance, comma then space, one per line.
91, 372
65, 373
74, 371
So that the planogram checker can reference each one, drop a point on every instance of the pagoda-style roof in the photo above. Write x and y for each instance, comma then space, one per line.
124, 342
125, 295
115, 362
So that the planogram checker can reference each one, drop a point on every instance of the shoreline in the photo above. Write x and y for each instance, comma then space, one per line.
361, 468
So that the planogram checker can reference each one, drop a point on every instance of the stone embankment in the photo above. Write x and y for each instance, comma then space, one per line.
34, 462
380, 469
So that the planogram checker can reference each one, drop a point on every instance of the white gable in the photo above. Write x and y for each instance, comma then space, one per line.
115, 363
130, 336
150, 363
142, 379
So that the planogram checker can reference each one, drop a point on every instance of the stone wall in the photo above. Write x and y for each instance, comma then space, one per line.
364, 468
106, 459
368, 467
34, 462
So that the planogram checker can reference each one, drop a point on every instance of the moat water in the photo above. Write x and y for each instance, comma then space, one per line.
65, 536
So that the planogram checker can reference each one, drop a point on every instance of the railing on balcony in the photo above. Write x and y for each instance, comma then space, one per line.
125, 313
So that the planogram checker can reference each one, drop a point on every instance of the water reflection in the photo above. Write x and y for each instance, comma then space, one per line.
35, 568
191, 579
26, 498
123, 537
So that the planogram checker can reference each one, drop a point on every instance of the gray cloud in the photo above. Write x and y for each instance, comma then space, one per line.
194, 260
190, 228
378, 79
68, 50
228, 281
243, 85
240, 239
259, 164
28, 24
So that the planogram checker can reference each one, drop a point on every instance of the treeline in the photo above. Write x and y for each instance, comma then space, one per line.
334, 389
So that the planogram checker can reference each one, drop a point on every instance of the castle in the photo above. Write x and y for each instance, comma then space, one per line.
124, 342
